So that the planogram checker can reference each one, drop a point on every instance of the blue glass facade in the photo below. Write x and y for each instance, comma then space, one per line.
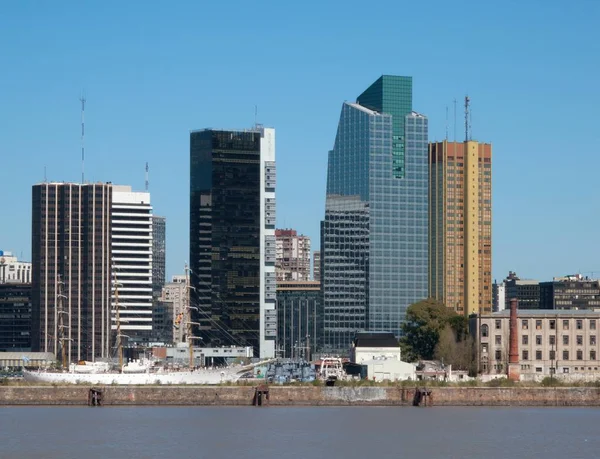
392, 262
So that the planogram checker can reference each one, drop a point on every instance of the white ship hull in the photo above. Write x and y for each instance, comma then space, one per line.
201, 376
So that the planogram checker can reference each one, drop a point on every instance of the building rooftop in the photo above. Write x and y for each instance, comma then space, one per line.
546, 313
364, 109
375, 339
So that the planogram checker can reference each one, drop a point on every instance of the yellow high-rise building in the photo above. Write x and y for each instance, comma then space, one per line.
460, 225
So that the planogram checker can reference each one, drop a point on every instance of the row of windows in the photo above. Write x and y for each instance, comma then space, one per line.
551, 355
539, 325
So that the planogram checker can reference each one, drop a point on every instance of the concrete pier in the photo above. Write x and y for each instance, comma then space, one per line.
300, 396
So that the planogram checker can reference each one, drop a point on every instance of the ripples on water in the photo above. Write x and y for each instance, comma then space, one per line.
281, 433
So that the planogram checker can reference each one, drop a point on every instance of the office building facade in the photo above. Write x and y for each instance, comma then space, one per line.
317, 265
15, 317
570, 292
132, 247
299, 319
293, 256
525, 291
498, 297
460, 225
71, 275
174, 293
159, 254
377, 180
12, 270
232, 237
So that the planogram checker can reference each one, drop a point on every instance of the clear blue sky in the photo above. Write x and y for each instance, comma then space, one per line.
152, 71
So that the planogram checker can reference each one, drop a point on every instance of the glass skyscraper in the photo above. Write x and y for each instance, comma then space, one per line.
232, 238
374, 236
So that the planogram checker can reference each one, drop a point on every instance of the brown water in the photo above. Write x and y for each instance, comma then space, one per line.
282, 433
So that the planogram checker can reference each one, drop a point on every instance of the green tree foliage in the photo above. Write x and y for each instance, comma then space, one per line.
425, 322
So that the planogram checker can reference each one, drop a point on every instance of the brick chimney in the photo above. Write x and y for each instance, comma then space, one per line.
514, 373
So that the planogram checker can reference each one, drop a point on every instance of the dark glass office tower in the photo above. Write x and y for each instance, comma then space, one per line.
379, 164
232, 237
159, 254
71, 276
15, 317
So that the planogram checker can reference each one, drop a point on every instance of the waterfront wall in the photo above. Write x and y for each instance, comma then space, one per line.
301, 396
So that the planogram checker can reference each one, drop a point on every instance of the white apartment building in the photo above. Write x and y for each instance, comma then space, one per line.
13, 271
131, 231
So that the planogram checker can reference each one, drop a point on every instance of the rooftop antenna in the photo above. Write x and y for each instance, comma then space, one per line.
467, 100
147, 170
45, 176
455, 119
470, 125
446, 123
82, 99
255, 114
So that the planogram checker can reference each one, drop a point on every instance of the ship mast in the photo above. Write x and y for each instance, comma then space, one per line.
188, 310
118, 316
61, 325
119, 342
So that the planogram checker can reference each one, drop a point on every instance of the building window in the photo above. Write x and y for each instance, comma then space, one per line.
592, 355
498, 324
552, 340
525, 339
553, 325
538, 369
579, 354
579, 324
498, 354
538, 324
592, 324
565, 324
538, 355
538, 340
525, 324
552, 355
565, 370
565, 355
484, 348
525, 355
592, 340
484, 330
566, 340
498, 339
579, 340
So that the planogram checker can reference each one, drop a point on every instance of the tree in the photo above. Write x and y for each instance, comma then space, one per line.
456, 350
425, 323
421, 330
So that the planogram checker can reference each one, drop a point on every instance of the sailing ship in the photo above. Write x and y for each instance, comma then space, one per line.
139, 372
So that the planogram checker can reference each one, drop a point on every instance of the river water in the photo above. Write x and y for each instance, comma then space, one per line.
298, 432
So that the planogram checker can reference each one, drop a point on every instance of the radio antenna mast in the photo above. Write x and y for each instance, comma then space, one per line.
82, 99
147, 170
454, 120
446, 123
467, 100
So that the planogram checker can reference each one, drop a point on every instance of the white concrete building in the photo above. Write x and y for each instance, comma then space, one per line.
13, 271
131, 231
268, 284
499, 296
380, 353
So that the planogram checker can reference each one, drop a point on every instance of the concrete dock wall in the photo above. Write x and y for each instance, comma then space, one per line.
300, 396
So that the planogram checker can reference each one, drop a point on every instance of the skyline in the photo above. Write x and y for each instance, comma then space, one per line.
529, 72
